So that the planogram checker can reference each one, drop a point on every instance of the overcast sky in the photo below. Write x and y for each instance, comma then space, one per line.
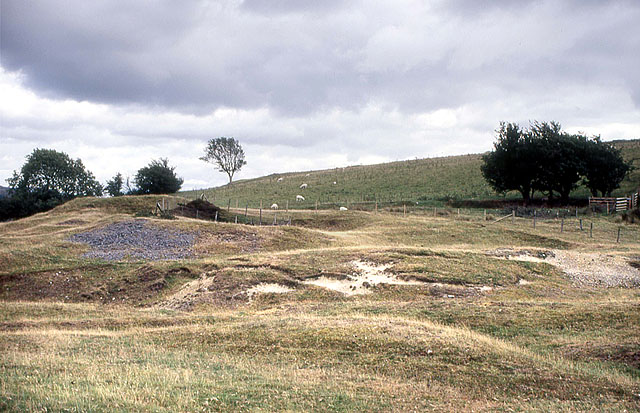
306, 85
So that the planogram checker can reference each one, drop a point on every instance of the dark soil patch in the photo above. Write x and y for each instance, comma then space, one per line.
624, 354
205, 210
73, 222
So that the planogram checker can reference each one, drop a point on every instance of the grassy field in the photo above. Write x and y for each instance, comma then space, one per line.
468, 329
426, 181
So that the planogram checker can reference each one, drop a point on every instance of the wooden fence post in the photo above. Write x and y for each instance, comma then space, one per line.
260, 222
484, 215
513, 216
246, 209
287, 207
534, 218
580, 224
591, 230
618, 238
404, 210
229, 205
562, 225
216, 218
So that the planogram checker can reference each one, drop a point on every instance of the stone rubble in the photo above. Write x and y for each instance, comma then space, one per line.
136, 239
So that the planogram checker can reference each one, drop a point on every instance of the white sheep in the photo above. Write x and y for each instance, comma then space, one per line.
274, 206
335, 183
344, 209
299, 198
279, 179
303, 186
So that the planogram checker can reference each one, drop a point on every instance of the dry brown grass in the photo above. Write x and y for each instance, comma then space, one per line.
81, 335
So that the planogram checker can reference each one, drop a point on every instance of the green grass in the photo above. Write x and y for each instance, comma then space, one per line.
429, 182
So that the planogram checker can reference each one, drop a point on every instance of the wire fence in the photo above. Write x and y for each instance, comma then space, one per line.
584, 220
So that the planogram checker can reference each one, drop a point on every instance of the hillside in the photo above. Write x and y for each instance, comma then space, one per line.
427, 181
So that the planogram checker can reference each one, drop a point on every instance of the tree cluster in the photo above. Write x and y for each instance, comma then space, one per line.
48, 178
546, 159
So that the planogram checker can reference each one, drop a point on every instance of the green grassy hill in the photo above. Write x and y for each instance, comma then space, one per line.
427, 181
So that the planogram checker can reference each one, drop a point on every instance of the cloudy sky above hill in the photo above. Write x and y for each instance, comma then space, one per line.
306, 84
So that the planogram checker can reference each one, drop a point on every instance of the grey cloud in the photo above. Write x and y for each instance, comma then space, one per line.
270, 7
200, 56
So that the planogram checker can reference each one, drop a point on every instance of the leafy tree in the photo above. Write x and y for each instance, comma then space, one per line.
604, 167
511, 166
114, 186
544, 158
48, 178
559, 157
226, 154
157, 178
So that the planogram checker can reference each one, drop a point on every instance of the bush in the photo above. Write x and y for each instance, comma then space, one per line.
157, 178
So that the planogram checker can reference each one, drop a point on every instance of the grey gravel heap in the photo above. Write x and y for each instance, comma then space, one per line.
138, 240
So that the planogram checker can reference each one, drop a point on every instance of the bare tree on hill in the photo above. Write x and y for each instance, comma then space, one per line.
226, 154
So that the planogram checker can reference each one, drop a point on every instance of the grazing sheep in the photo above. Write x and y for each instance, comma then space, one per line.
308, 175
279, 179
335, 183
274, 206
299, 198
343, 209
303, 186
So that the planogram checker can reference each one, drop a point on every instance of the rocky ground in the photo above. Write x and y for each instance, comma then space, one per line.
592, 269
136, 239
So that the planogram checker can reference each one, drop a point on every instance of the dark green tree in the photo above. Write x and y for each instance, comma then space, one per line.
559, 159
157, 178
603, 167
226, 154
48, 178
511, 166
114, 186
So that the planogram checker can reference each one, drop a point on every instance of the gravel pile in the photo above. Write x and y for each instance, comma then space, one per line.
138, 240
590, 269
597, 269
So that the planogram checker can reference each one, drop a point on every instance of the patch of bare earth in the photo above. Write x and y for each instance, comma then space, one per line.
267, 288
592, 269
365, 276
